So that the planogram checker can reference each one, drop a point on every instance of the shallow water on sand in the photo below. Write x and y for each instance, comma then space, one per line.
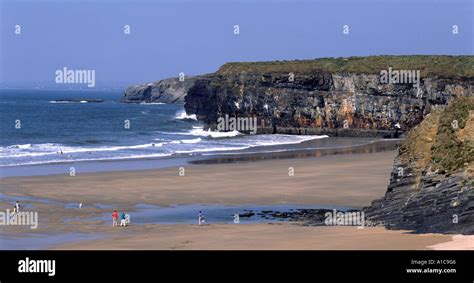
213, 213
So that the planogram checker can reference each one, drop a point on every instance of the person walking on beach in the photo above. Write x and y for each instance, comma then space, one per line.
122, 220
397, 129
114, 218
14, 212
201, 219
17, 206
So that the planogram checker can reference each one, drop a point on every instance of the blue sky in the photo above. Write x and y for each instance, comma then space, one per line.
196, 37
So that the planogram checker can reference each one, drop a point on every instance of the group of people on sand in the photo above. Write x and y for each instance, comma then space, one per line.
124, 219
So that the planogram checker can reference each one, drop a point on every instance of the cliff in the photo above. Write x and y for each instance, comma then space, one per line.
334, 96
431, 187
432, 183
164, 91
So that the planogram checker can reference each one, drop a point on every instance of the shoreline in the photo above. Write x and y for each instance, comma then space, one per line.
354, 146
332, 180
269, 182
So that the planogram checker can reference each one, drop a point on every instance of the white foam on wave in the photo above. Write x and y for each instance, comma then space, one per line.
273, 140
152, 103
188, 141
20, 146
213, 149
67, 102
288, 139
182, 115
190, 146
60, 102
50, 149
192, 140
213, 134
137, 156
24, 150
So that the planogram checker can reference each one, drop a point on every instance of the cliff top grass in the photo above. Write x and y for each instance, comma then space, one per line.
453, 144
429, 66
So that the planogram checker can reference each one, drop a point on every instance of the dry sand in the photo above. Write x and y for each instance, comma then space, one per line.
284, 236
345, 180
342, 180
458, 242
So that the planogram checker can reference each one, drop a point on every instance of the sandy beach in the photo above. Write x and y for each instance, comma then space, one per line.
282, 236
347, 180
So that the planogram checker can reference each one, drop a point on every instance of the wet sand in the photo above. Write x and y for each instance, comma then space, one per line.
347, 180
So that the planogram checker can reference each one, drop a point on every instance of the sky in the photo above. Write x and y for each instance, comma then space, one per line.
197, 36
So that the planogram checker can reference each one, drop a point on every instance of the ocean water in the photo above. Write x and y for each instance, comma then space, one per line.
37, 127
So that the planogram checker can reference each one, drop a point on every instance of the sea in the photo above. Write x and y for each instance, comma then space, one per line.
63, 126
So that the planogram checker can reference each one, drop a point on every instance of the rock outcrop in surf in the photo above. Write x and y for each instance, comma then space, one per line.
171, 90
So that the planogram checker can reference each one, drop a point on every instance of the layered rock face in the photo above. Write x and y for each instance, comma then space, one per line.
326, 96
165, 91
432, 183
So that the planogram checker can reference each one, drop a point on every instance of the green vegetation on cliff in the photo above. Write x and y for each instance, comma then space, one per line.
444, 140
453, 145
429, 66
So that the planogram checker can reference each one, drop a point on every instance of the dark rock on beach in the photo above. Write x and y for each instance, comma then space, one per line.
432, 183
246, 214
307, 217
